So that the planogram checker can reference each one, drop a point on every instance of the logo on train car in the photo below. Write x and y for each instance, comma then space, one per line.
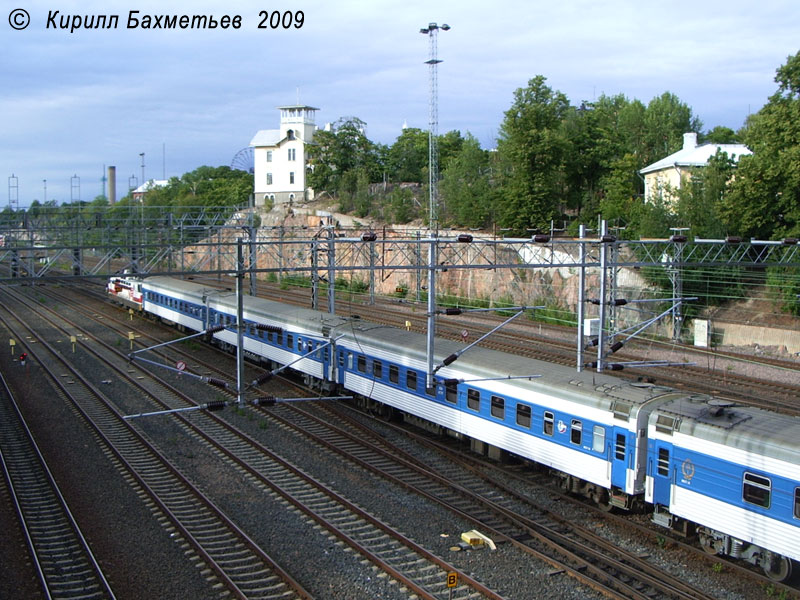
687, 470
562, 427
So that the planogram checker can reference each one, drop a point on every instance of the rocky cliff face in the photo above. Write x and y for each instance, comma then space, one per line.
400, 265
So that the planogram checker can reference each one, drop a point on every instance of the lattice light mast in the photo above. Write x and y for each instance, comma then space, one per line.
433, 122
13, 192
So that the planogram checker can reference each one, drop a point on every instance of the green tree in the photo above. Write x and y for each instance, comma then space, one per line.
532, 145
620, 198
720, 135
401, 206
407, 158
466, 186
699, 204
343, 149
764, 199
666, 119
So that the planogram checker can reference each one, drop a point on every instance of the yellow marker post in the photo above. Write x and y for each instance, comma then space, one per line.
131, 338
73, 340
130, 312
408, 325
452, 581
12, 342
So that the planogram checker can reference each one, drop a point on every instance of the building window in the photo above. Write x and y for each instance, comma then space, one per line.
473, 399
269, 178
290, 134
547, 425
269, 155
292, 154
756, 490
576, 432
498, 408
523, 415
291, 177
598, 438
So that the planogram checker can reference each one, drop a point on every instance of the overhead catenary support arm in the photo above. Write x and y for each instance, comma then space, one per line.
270, 374
220, 404
455, 356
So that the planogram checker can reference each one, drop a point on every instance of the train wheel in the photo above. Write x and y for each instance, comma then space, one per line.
777, 567
603, 500
707, 544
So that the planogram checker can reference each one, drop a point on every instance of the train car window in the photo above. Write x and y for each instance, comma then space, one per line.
350, 362
523, 415
757, 490
451, 392
299, 345
619, 448
289, 341
361, 363
663, 462
431, 391
498, 407
797, 503
547, 425
576, 432
394, 373
473, 399
598, 438
377, 369
341, 359
411, 380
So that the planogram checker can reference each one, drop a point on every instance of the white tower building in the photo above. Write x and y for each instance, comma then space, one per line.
280, 156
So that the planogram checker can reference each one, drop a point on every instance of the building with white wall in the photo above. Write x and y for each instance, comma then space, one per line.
664, 178
280, 157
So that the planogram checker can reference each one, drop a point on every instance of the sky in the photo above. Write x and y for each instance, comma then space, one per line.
73, 103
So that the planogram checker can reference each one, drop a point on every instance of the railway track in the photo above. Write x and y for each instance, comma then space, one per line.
237, 563
408, 562
63, 560
550, 533
540, 533
586, 556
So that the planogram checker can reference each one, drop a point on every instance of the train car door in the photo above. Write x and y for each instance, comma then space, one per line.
341, 365
659, 465
619, 458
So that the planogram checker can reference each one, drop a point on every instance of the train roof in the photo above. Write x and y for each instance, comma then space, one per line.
187, 288
587, 388
694, 414
747, 428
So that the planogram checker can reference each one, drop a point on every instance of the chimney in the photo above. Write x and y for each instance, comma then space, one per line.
112, 185
689, 141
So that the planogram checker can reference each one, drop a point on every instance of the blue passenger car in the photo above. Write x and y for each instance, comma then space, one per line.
734, 471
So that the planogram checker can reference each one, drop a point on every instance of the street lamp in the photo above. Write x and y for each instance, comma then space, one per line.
433, 123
